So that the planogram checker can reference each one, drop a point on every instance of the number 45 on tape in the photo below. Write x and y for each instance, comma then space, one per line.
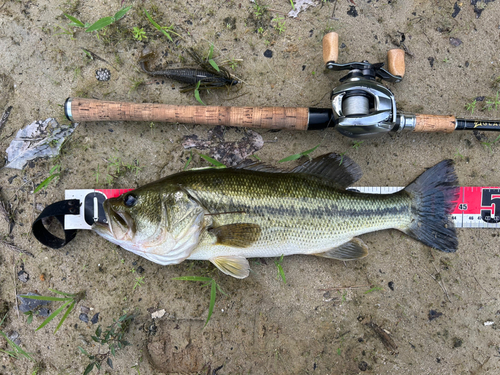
476, 207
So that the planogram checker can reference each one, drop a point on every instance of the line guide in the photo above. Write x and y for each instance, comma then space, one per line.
476, 207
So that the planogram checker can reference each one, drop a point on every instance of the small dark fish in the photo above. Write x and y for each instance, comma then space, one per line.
207, 77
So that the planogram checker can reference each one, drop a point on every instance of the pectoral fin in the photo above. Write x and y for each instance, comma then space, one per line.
354, 249
236, 235
232, 265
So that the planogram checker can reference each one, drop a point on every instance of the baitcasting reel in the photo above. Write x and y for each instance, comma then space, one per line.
363, 107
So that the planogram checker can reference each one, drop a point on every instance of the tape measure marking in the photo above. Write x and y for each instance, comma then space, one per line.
477, 207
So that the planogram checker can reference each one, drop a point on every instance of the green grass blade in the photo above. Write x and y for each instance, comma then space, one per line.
299, 155
167, 35
213, 161
197, 93
76, 21
65, 316
213, 294
375, 288
53, 315
47, 298
220, 290
62, 293
193, 278
281, 273
122, 12
214, 64
100, 24
83, 351
18, 350
188, 161
45, 182
152, 21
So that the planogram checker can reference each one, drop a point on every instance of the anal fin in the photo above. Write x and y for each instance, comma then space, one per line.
235, 266
354, 249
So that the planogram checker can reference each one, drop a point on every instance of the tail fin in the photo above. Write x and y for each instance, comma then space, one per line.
433, 193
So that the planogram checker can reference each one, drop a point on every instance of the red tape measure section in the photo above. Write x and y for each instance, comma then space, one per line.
477, 207
113, 193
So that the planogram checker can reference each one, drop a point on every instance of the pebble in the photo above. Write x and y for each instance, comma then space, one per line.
84, 318
95, 318
268, 53
23, 276
28, 304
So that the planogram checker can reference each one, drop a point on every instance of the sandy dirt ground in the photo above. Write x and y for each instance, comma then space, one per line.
404, 309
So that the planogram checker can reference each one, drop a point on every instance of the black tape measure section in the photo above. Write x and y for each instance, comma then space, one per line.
57, 210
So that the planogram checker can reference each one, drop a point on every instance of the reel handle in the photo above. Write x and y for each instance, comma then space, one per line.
396, 62
331, 47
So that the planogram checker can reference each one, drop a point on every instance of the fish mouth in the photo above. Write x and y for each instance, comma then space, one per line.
120, 225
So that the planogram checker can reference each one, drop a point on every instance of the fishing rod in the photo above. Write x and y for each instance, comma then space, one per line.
361, 106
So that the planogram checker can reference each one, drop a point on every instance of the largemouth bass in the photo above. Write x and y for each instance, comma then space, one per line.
228, 215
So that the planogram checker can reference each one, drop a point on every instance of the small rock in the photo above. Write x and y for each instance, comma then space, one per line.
84, 318
456, 9
352, 11
457, 342
268, 53
43, 312
433, 314
84, 309
455, 42
480, 136
23, 276
14, 337
95, 318
391, 285
102, 74
28, 304
363, 366
158, 314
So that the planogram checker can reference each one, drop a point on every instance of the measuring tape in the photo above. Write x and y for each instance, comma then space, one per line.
476, 207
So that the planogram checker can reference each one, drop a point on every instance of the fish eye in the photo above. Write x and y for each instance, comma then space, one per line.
129, 200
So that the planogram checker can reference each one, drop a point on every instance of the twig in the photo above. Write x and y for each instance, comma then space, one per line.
333, 13
442, 286
96, 57
384, 337
15, 248
283, 13
5, 117
15, 284
344, 287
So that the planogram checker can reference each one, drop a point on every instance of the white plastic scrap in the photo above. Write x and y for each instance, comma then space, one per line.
489, 323
40, 139
300, 6
158, 314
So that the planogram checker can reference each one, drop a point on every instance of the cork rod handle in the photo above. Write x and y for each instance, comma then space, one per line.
434, 123
78, 109
330, 47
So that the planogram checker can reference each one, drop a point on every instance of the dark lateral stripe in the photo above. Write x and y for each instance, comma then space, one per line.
339, 210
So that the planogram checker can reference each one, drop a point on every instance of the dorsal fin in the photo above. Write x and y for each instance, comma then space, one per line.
339, 170
259, 166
